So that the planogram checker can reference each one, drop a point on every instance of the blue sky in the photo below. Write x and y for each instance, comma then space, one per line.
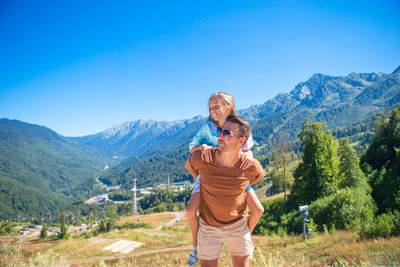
79, 67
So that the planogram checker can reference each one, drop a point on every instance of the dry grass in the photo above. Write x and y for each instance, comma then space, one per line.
280, 195
330, 249
153, 220
340, 249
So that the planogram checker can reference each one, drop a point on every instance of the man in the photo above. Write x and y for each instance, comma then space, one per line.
223, 213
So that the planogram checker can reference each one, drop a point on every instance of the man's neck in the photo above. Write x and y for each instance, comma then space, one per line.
227, 158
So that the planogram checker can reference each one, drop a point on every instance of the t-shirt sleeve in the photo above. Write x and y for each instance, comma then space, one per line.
191, 165
257, 172
197, 138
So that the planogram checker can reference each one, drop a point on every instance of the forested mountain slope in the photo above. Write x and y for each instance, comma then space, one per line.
41, 169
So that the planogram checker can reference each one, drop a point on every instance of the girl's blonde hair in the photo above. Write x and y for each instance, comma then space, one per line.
226, 99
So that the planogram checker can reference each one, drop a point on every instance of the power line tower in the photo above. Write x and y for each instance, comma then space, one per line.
134, 208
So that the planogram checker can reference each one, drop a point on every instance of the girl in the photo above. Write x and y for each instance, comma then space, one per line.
220, 106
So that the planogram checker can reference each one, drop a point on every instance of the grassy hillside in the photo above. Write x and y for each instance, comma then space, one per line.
169, 245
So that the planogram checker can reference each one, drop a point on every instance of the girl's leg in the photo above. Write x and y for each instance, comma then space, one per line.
256, 208
191, 209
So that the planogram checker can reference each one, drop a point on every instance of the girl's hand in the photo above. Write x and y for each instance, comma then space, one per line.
206, 152
247, 159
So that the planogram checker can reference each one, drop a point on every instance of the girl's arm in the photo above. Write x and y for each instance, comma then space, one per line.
247, 159
198, 143
206, 152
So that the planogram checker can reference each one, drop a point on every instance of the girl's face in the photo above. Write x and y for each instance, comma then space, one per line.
218, 110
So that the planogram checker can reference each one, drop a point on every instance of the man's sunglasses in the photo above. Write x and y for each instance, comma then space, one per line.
225, 132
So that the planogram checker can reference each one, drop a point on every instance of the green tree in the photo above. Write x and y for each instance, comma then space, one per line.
382, 151
112, 217
382, 161
350, 173
43, 232
102, 226
316, 175
63, 229
282, 178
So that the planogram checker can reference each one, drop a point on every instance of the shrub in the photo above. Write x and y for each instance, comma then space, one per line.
7, 228
385, 225
128, 225
346, 209
89, 234
278, 218
396, 222
325, 229
333, 229
39, 260
312, 225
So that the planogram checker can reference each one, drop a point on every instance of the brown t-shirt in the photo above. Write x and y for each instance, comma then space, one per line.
223, 189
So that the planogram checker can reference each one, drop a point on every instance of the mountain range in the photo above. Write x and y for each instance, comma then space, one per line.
339, 101
42, 171
134, 138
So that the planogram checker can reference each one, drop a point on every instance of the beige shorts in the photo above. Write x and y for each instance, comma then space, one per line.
236, 237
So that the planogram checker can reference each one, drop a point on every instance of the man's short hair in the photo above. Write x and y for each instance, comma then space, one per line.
244, 126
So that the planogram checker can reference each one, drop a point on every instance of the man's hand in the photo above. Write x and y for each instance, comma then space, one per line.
206, 152
247, 159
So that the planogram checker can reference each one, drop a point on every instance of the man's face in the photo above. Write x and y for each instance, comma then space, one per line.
229, 138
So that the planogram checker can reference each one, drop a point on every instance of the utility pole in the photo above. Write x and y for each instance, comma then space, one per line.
134, 207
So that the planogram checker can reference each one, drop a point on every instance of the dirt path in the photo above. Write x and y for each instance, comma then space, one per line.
178, 216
